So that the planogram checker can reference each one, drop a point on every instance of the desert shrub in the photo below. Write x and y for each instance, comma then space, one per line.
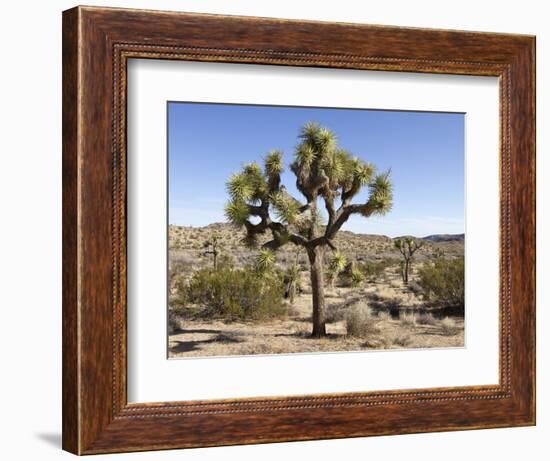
226, 261
395, 284
384, 316
373, 270
236, 293
408, 319
402, 340
174, 322
449, 326
426, 319
335, 312
442, 282
385, 298
360, 322
179, 299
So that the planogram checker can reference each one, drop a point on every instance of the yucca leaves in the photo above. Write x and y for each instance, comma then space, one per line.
381, 194
265, 260
286, 208
319, 138
274, 163
363, 172
323, 172
240, 187
338, 263
333, 167
237, 212
304, 155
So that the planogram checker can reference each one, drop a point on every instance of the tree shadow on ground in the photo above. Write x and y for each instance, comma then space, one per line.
188, 346
307, 335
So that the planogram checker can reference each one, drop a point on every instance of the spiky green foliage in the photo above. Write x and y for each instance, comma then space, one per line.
240, 187
274, 163
265, 261
304, 156
338, 262
337, 265
381, 194
356, 277
256, 180
237, 212
286, 208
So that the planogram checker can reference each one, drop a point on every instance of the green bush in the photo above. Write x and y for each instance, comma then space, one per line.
236, 293
442, 282
374, 269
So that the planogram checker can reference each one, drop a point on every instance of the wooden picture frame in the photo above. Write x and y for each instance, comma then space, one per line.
97, 43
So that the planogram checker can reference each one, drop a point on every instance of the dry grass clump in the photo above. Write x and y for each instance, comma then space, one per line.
385, 297
360, 322
302, 331
384, 316
396, 284
426, 319
335, 312
174, 322
449, 326
402, 340
408, 319
394, 340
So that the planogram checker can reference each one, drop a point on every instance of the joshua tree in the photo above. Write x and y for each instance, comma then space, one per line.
324, 173
407, 246
213, 247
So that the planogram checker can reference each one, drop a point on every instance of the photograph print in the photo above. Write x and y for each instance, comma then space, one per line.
313, 230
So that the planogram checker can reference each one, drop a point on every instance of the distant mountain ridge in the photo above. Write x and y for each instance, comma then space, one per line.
432, 238
445, 238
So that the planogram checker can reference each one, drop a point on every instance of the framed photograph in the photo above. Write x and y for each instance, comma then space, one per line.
281, 230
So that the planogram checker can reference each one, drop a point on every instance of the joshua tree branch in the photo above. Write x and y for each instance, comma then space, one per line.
329, 206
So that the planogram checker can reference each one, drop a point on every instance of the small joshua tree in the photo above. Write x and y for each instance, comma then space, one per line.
335, 268
213, 248
292, 281
407, 246
324, 173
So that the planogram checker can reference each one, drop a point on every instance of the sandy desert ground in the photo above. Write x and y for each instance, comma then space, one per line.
398, 318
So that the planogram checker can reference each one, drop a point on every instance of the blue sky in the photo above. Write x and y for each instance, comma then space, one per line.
425, 151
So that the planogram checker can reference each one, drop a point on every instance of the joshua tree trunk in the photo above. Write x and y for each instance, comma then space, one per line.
318, 292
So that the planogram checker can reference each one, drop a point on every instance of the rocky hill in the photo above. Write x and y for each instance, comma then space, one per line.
187, 245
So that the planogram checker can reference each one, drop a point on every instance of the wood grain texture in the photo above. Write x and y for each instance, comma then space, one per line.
70, 383
97, 43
